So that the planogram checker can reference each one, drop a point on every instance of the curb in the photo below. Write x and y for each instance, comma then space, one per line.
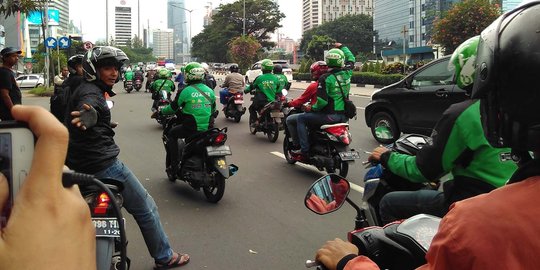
376, 86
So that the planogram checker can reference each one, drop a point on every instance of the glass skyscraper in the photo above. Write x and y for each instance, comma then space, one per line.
176, 20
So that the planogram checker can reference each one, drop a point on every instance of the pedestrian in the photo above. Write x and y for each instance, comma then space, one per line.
9, 91
60, 78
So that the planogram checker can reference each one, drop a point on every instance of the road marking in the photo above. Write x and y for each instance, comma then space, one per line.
361, 108
354, 187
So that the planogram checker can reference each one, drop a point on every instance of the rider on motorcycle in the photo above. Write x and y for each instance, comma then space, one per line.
128, 76
150, 78
470, 235
316, 69
138, 74
180, 78
195, 106
283, 81
457, 146
163, 83
209, 79
330, 105
234, 82
265, 87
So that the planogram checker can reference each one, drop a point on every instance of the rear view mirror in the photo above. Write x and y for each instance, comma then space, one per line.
327, 194
110, 104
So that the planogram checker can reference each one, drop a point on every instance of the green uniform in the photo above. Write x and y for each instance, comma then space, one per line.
129, 75
282, 82
460, 147
194, 104
163, 84
267, 84
329, 97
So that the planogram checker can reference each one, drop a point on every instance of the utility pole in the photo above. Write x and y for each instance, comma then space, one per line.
244, 20
404, 31
45, 21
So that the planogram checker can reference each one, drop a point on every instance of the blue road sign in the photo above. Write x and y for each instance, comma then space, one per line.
50, 42
64, 42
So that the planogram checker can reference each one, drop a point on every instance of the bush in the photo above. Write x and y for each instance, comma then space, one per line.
42, 91
361, 78
393, 68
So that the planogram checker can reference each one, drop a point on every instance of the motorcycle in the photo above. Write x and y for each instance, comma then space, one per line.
128, 86
271, 118
235, 108
138, 84
109, 245
202, 161
378, 181
329, 147
162, 103
397, 245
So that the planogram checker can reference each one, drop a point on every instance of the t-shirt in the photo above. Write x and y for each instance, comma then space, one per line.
7, 81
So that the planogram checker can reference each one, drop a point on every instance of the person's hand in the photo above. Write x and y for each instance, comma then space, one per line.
306, 108
49, 225
333, 251
337, 45
154, 114
85, 118
376, 154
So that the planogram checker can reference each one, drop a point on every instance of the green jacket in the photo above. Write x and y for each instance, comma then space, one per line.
267, 84
194, 104
329, 97
282, 82
163, 84
458, 146
128, 75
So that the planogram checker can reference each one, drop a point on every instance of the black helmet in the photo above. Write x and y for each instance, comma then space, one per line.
233, 68
73, 62
278, 69
102, 56
9, 50
508, 63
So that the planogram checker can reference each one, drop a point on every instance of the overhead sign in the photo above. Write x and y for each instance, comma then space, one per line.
64, 42
50, 42
34, 17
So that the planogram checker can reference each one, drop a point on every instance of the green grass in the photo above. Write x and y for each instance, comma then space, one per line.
42, 91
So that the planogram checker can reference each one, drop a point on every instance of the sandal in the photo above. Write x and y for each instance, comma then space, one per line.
177, 260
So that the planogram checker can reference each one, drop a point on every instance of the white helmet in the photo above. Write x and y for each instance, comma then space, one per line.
205, 66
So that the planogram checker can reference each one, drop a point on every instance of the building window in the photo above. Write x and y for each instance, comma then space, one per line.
411, 25
411, 11
411, 38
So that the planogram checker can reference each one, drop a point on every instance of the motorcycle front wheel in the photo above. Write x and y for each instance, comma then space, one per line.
214, 192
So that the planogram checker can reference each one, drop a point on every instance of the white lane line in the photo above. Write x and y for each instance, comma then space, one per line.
309, 167
361, 108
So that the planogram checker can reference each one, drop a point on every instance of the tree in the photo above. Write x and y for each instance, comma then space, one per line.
244, 50
262, 18
318, 45
10, 7
354, 31
464, 20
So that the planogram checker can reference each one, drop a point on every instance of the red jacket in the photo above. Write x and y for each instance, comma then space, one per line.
310, 94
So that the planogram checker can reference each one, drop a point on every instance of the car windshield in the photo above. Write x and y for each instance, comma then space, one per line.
283, 64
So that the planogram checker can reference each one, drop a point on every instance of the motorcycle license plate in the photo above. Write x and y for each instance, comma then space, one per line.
107, 227
277, 114
349, 155
238, 101
222, 150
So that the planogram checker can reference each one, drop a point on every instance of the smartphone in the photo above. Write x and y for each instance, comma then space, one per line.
16, 151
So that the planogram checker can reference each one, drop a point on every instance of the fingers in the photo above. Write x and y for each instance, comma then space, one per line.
4, 191
50, 148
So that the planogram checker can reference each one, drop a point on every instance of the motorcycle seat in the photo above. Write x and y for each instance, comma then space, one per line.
334, 125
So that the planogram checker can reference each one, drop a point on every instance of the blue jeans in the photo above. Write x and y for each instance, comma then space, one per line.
405, 204
141, 205
291, 126
314, 119
224, 96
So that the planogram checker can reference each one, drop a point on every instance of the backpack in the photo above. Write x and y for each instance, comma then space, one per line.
59, 100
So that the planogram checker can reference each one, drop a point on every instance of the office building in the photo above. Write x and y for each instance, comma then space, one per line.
122, 21
163, 43
178, 21
317, 12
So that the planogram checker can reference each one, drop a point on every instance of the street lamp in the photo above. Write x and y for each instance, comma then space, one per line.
188, 10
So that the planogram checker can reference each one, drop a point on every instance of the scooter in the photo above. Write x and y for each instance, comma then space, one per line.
235, 107
271, 118
138, 84
203, 161
128, 86
162, 103
397, 245
329, 147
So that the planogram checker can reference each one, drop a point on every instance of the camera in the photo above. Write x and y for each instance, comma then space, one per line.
16, 152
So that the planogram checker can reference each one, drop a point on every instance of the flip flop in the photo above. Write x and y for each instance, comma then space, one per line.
174, 262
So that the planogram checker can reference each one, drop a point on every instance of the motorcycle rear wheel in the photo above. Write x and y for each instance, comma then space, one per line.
215, 191
252, 129
286, 150
340, 167
237, 118
273, 132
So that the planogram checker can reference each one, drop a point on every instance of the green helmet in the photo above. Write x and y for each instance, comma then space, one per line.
335, 58
194, 72
267, 65
163, 73
463, 62
182, 69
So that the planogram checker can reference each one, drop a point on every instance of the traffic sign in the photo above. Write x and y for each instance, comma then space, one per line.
64, 42
88, 45
50, 42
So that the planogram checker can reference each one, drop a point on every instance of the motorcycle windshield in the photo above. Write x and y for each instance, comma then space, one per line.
422, 228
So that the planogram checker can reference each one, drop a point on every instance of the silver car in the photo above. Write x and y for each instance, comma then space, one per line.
30, 80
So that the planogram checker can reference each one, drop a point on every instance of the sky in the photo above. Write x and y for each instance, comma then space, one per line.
91, 16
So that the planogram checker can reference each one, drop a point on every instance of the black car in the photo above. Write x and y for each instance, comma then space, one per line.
414, 104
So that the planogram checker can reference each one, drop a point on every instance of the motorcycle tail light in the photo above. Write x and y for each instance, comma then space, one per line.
337, 131
220, 138
238, 96
102, 203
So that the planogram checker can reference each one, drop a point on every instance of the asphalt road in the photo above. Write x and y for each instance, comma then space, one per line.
261, 222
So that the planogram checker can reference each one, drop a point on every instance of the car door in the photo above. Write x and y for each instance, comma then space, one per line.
32, 80
22, 81
433, 88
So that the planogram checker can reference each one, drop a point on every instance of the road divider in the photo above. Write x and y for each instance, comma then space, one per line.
354, 187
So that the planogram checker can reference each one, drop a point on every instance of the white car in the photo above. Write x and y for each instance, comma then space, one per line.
255, 70
30, 80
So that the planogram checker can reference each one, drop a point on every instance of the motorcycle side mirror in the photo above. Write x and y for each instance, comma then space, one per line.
284, 92
110, 104
327, 194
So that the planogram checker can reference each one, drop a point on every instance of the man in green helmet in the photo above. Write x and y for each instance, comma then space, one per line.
195, 106
162, 83
457, 145
265, 87
332, 89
